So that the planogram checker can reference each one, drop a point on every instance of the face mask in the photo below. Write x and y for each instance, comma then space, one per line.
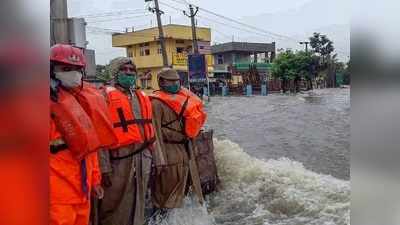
70, 79
126, 81
173, 89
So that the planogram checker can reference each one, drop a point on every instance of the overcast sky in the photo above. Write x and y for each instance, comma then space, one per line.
294, 18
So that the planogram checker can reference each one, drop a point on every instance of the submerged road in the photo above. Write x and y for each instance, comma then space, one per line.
311, 128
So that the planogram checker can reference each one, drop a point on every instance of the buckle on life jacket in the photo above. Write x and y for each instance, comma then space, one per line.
57, 146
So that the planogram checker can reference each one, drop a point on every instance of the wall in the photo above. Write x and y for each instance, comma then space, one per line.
170, 31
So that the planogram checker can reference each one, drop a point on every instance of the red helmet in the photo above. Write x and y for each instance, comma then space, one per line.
67, 54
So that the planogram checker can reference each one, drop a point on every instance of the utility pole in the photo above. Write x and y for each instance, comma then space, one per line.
306, 44
194, 35
158, 12
58, 22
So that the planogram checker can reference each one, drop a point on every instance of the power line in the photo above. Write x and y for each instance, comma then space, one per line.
231, 26
249, 26
211, 20
115, 15
241, 23
221, 23
107, 13
113, 31
115, 19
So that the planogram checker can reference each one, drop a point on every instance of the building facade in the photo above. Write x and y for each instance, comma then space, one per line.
241, 55
240, 63
144, 48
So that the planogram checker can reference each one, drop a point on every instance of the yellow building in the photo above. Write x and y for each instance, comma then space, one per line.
144, 48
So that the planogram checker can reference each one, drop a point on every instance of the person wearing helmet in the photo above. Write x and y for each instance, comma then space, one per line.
178, 116
126, 167
78, 129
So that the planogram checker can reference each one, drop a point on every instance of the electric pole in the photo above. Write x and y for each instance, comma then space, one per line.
194, 35
306, 45
58, 22
158, 12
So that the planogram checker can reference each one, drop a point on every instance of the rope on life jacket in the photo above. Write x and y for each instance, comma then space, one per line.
179, 118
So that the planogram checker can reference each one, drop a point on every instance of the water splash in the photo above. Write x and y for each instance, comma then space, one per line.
192, 213
275, 192
257, 192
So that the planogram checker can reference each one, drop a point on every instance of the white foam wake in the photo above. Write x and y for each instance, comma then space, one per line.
257, 192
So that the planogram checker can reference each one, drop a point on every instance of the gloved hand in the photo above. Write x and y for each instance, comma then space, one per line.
98, 192
106, 180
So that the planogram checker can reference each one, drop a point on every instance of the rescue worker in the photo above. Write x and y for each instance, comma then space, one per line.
126, 167
78, 129
178, 116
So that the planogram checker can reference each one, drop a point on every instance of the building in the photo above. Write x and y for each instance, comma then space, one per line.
239, 56
236, 63
144, 48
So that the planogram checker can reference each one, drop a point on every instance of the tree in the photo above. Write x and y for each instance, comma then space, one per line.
322, 46
103, 72
292, 66
346, 74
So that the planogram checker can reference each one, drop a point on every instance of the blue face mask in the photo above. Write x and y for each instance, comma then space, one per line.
126, 81
173, 89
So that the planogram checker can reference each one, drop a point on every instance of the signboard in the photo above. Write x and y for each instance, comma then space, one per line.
179, 59
204, 47
197, 68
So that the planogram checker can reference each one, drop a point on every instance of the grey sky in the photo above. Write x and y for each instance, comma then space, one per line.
296, 19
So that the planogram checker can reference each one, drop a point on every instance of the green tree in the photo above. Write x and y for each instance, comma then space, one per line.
292, 66
103, 72
346, 73
322, 46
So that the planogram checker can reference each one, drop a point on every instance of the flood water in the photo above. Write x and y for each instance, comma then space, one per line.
282, 160
311, 128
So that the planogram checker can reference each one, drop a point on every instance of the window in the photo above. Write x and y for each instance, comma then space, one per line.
201, 47
180, 50
220, 59
144, 49
130, 55
159, 49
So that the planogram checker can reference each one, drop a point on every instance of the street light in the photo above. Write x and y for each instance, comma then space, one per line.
305, 43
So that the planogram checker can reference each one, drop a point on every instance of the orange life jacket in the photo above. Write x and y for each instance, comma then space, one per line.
126, 126
188, 107
94, 103
74, 124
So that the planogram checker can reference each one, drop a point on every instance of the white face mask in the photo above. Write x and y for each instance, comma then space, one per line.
70, 79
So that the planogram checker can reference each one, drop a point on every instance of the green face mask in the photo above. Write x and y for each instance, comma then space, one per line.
126, 81
173, 89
